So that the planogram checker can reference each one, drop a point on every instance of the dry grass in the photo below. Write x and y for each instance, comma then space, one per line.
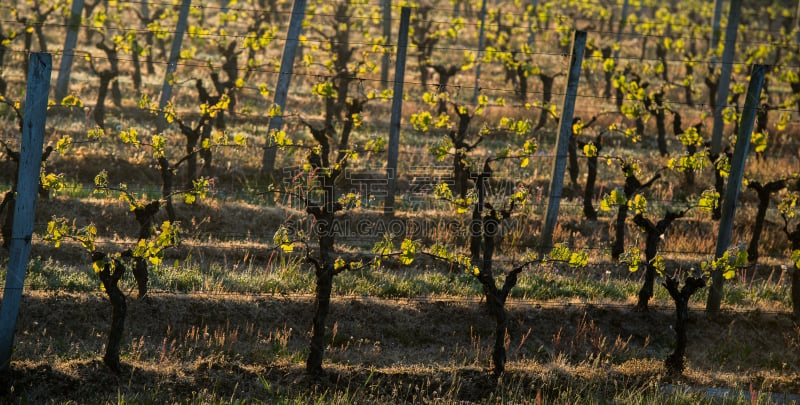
201, 347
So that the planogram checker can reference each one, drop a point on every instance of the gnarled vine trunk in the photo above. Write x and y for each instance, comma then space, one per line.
675, 362
3, 49
591, 178
764, 192
619, 232
608, 75
632, 186
547, 96
719, 187
572, 165
324, 269
110, 279
165, 169
483, 230
794, 238
588, 190
99, 113
136, 77
8, 205
796, 293
322, 302
654, 233
661, 126
324, 272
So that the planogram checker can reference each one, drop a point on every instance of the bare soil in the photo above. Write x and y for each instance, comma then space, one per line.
196, 347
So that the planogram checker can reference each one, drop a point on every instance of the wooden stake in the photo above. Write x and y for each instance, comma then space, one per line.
478, 58
284, 79
172, 65
725, 75
397, 111
622, 22
387, 39
65, 68
41, 66
735, 180
531, 29
715, 31
562, 143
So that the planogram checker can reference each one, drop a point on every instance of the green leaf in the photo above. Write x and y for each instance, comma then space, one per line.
51, 181
324, 90
741, 258
408, 251
263, 90
441, 149
72, 101
99, 265
796, 259
520, 197
421, 121
158, 143
759, 141
578, 259
442, 121
638, 204
632, 257
240, 140
659, 265
690, 137
788, 204
709, 200
615, 198
350, 200
590, 150
560, 253
64, 145
339, 263
385, 246
281, 239
274, 110
131, 137
95, 133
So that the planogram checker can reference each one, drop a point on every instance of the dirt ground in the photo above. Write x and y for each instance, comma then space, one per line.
196, 347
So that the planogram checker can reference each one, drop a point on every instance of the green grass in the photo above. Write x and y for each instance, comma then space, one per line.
51, 275
290, 275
